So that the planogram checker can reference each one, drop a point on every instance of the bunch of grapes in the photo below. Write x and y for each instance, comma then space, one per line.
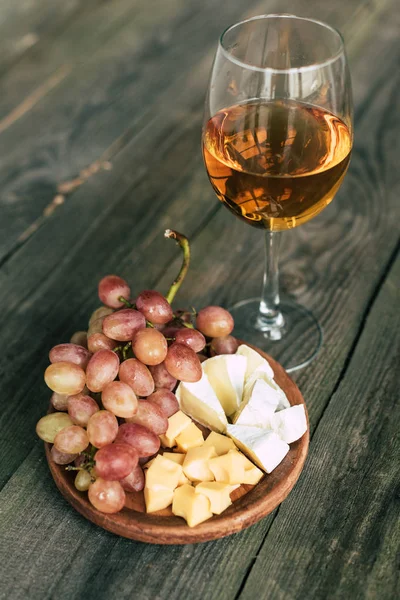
113, 386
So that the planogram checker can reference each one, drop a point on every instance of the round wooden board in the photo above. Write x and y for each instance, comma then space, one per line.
250, 503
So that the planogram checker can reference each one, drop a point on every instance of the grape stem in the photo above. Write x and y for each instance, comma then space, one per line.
184, 244
126, 302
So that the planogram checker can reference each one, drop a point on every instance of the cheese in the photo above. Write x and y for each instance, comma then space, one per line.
195, 466
176, 424
175, 456
199, 401
252, 474
258, 406
263, 374
157, 499
194, 508
163, 474
221, 443
254, 360
191, 437
228, 468
290, 424
217, 493
226, 376
263, 446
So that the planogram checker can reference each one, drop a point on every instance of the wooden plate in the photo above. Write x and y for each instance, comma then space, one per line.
250, 503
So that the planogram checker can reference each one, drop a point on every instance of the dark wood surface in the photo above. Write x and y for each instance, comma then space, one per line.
122, 82
250, 503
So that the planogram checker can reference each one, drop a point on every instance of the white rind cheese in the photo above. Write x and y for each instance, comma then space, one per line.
254, 360
263, 373
263, 446
258, 408
199, 401
290, 424
226, 376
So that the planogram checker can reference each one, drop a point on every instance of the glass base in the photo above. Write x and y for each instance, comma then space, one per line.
293, 341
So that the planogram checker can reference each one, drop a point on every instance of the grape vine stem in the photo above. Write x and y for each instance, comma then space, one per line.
184, 244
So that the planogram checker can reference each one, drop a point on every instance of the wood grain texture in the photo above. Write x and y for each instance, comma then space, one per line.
342, 520
114, 223
250, 503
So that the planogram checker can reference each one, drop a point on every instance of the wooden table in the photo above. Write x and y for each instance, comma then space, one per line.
114, 90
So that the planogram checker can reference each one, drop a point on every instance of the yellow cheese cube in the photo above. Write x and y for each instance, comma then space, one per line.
195, 465
217, 493
157, 499
252, 476
148, 464
221, 443
175, 456
194, 508
227, 468
163, 474
191, 437
183, 479
176, 424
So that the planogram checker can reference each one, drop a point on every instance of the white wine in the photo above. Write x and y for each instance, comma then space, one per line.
276, 164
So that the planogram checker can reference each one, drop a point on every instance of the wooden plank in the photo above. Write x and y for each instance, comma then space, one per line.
24, 23
101, 564
337, 535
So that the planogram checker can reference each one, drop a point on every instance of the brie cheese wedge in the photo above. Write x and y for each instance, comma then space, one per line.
263, 373
257, 408
199, 401
290, 424
254, 360
226, 376
263, 446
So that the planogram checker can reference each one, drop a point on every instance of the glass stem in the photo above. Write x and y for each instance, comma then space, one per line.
270, 318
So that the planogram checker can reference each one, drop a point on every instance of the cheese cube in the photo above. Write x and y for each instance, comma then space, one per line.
157, 499
191, 437
148, 464
227, 468
263, 446
226, 375
195, 465
290, 424
254, 361
221, 443
176, 424
175, 456
252, 476
200, 402
258, 405
217, 493
194, 508
163, 474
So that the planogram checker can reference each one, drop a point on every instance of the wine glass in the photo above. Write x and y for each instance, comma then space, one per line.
277, 140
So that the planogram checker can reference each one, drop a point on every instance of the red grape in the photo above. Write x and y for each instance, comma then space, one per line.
161, 377
100, 314
115, 461
102, 369
48, 426
134, 482
107, 496
123, 324
62, 458
214, 321
120, 399
59, 401
65, 378
165, 400
137, 376
144, 441
81, 408
154, 307
99, 341
182, 363
102, 428
150, 346
151, 416
170, 331
70, 353
192, 338
111, 288
79, 338
71, 440
224, 345
82, 481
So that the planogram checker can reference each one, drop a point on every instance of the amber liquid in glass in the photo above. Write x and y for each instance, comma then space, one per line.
276, 164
